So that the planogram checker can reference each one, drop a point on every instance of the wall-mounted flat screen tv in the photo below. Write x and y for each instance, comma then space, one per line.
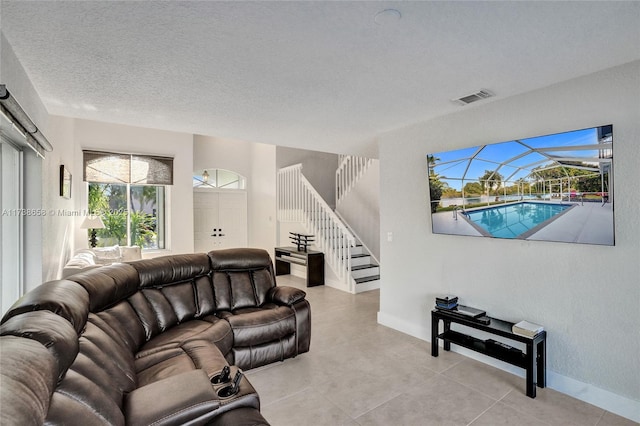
549, 188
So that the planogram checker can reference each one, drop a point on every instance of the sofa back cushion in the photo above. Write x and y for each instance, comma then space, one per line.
166, 270
51, 331
107, 255
105, 358
93, 388
64, 298
129, 253
28, 377
126, 324
108, 285
173, 289
50, 375
241, 278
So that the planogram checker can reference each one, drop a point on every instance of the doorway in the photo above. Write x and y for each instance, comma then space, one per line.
220, 219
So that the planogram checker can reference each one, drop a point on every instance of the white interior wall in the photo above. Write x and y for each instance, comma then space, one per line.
59, 225
256, 162
129, 139
586, 296
263, 215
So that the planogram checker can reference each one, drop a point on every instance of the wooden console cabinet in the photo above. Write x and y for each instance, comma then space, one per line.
313, 260
533, 359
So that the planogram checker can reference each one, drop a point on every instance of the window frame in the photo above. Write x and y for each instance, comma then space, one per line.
164, 181
12, 272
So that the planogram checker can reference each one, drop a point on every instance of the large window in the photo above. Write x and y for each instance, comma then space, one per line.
11, 224
128, 192
132, 215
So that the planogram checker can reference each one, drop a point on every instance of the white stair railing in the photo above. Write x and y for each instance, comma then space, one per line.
298, 201
350, 169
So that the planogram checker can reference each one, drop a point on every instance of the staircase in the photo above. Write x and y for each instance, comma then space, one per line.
350, 169
365, 272
365, 268
298, 201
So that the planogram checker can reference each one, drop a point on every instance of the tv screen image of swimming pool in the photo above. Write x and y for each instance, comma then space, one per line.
512, 220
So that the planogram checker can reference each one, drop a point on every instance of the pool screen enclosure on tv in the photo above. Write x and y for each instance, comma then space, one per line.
556, 187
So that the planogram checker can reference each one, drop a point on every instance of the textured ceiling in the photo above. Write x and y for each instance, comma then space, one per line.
313, 75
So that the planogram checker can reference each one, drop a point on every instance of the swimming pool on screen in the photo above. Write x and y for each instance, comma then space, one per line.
514, 220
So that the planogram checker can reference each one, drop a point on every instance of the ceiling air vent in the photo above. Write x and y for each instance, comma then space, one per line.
477, 96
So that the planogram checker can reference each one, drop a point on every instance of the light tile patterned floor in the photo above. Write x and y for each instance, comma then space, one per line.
361, 373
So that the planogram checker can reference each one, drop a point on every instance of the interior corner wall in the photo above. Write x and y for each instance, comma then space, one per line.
262, 207
586, 296
137, 140
58, 225
19, 85
257, 163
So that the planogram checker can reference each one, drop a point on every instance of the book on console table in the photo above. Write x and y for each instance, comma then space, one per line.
447, 302
465, 311
526, 329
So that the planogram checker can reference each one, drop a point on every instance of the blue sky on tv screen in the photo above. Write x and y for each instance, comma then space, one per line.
471, 163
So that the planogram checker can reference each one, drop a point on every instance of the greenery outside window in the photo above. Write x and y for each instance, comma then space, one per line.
132, 215
128, 192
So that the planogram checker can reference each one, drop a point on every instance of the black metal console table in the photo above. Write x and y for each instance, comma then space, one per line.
533, 359
313, 260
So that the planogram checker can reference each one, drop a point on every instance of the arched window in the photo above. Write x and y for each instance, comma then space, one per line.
218, 179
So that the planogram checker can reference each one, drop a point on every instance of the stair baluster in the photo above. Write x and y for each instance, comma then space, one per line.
303, 204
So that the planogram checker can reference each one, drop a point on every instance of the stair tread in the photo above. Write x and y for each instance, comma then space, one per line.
359, 267
367, 279
359, 255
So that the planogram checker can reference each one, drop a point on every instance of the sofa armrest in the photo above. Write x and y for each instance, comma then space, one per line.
243, 416
285, 295
184, 398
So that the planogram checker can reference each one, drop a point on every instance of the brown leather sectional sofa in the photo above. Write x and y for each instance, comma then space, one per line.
141, 343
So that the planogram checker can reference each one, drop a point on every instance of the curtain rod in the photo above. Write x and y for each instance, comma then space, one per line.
15, 112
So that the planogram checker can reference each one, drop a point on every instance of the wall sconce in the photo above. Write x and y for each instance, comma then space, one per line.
92, 223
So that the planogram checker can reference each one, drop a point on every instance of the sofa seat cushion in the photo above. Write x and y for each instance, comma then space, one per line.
248, 357
209, 328
197, 344
253, 326
226, 314
186, 398
168, 361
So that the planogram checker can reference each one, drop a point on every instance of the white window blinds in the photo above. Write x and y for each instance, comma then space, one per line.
108, 167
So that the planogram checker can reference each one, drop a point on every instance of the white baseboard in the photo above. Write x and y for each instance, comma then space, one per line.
301, 272
591, 394
298, 271
594, 395
403, 326
336, 284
